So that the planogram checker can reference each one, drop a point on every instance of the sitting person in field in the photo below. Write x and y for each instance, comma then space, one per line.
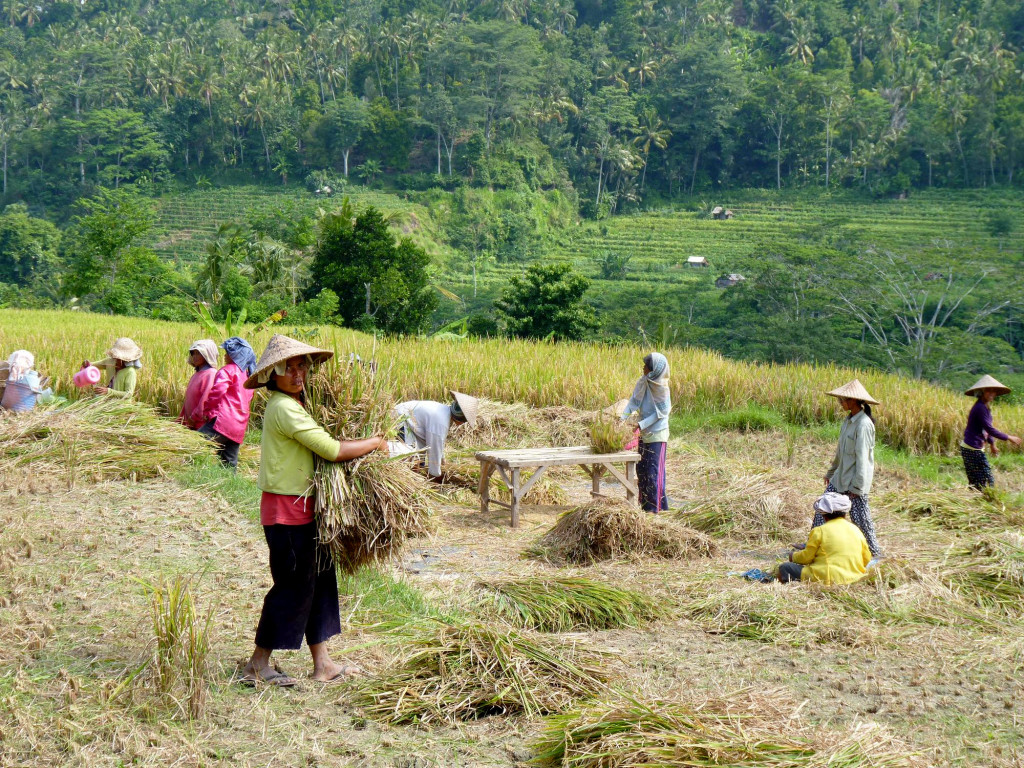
835, 553
23, 387
426, 424
122, 363
202, 356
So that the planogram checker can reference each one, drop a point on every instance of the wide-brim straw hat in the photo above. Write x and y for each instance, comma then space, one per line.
988, 382
279, 349
470, 406
855, 390
125, 350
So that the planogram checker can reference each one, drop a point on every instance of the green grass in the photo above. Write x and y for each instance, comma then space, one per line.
378, 598
208, 475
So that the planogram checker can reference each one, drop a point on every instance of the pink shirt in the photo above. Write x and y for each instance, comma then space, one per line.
228, 403
193, 410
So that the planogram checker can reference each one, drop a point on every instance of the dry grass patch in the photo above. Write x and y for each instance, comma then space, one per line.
741, 730
605, 529
452, 669
516, 425
567, 604
958, 509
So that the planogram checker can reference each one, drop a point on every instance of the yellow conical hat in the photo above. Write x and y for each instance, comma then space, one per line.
279, 349
855, 390
988, 382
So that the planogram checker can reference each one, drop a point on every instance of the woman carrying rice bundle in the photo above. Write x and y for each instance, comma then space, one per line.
304, 598
227, 405
653, 403
123, 362
853, 466
980, 431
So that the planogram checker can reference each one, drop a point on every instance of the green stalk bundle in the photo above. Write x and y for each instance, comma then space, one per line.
608, 434
567, 604
366, 508
456, 670
743, 732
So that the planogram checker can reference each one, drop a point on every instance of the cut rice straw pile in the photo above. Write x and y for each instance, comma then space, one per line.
366, 508
464, 670
99, 438
515, 425
742, 731
567, 604
959, 509
606, 529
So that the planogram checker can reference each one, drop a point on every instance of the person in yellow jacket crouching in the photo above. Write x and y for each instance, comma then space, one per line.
835, 553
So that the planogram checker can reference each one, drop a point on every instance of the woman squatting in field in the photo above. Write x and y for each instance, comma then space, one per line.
304, 598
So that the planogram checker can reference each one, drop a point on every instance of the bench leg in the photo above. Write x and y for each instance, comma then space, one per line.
486, 470
596, 473
631, 476
515, 497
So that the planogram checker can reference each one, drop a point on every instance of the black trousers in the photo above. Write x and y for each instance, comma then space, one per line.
227, 450
790, 572
304, 598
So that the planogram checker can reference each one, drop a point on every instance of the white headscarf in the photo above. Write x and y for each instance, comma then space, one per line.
21, 362
651, 393
208, 349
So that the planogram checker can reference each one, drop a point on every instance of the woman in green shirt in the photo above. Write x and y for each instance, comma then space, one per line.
124, 361
304, 599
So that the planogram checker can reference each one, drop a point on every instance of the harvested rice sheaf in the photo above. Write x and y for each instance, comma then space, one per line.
367, 508
742, 731
567, 604
959, 509
609, 435
99, 438
463, 670
606, 529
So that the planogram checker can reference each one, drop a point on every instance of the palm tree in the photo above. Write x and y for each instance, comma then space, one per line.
651, 133
220, 257
643, 67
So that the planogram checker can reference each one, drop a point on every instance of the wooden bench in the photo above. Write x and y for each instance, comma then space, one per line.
510, 465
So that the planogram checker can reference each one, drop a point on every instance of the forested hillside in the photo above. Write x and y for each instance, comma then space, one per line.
613, 100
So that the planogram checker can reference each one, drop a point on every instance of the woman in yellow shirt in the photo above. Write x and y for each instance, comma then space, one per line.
836, 551
303, 602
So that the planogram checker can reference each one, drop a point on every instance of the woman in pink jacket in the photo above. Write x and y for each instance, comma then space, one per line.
227, 406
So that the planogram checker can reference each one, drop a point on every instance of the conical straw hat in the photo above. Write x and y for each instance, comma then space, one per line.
855, 390
125, 349
988, 382
279, 349
470, 406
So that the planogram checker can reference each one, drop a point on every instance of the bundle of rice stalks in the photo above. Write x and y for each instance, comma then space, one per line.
567, 604
753, 506
989, 573
604, 529
366, 508
740, 731
99, 438
608, 434
463, 670
515, 425
959, 509
463, 473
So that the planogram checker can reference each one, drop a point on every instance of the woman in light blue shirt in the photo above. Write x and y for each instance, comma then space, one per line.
24, 386
652, 402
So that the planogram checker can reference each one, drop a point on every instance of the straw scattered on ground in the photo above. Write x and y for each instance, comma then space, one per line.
452, 670
96, 439
568, 604
606, 529
516, 425
749, 729
957, 509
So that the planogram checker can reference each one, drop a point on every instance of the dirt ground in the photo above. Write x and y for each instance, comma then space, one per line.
74, 622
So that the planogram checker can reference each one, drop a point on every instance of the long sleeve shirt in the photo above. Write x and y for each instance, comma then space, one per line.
426, 426
123, 383
193, 410
979, 427
290, 438
228, 403
836, 553
853, 467
21, 394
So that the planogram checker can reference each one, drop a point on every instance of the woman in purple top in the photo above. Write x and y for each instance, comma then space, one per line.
980, 431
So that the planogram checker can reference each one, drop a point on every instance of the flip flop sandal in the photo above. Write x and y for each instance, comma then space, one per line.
347, 671
273, 677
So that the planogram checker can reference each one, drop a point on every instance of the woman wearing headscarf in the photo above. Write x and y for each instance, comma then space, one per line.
304, 598
227, 406
653, 404
980, 431
122, 363
202, 356
23, 388
853, 466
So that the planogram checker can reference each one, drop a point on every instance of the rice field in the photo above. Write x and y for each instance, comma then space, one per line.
914, 415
